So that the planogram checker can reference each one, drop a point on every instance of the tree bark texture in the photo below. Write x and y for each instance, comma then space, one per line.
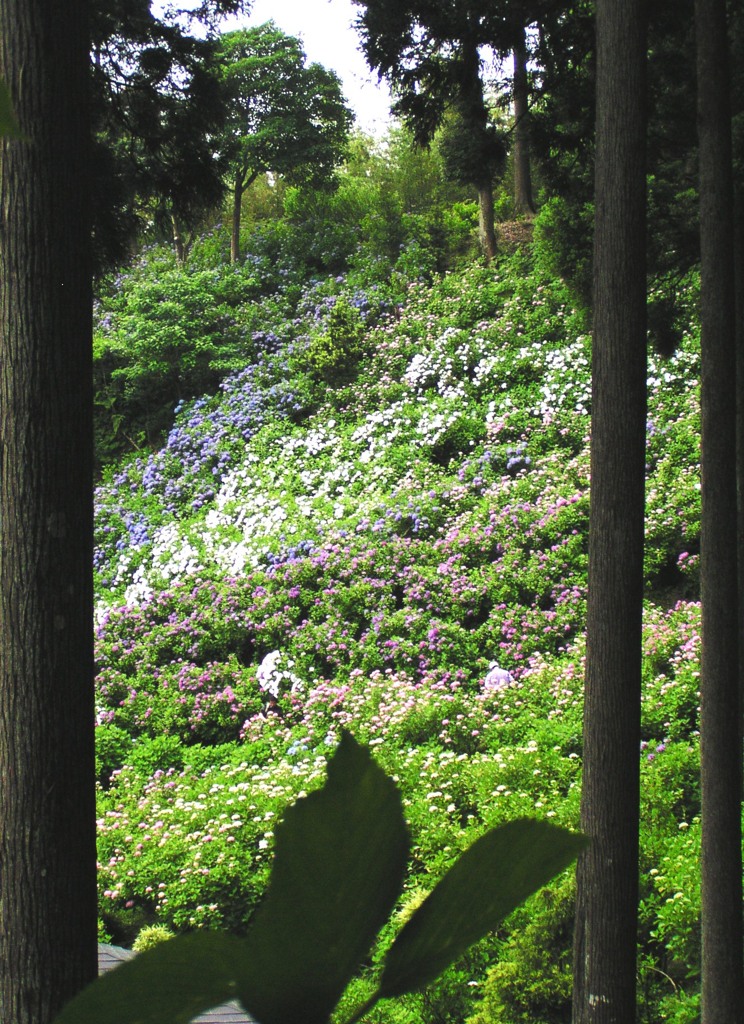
607, 873
523, 200
739, 341
47, 797
720, 723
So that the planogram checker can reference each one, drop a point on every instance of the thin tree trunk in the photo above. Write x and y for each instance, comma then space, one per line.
47, 797
236, 213
523, 200
720, 738
178, 242
607, 874
474, 114
486, 229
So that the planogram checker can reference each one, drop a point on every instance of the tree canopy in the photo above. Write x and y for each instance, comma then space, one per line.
445, 57
156, 109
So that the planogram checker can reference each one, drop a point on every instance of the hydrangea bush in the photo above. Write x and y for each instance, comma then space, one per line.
399, 550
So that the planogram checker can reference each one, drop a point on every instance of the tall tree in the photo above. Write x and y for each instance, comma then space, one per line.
562, 119
47, 805
157, 107
283, 116
473, 150
431, 54
607, 876
523, 200
720, 709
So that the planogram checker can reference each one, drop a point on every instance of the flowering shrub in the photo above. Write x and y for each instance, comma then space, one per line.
297, 560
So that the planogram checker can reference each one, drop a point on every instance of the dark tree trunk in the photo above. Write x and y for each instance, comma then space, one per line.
720, 733
47, 799
474, 114
237, 203
739, 341
607, 874
523, 201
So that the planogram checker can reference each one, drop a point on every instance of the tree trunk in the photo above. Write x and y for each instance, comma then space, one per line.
486, 229
178, 243
720, 736
607, 874
473, 112
523, 201
236, 212
47, 797
739, 342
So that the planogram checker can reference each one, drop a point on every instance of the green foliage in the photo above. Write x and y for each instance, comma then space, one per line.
461, 437
532, 980
284, 116
680, 1007
389, 195
472, 157
563, 245
151, 754
151, 936
333, 354
154, 162
460, 910
676, 881
339, 867
324, 225
460, 222
168, 333
113, 749
429, 54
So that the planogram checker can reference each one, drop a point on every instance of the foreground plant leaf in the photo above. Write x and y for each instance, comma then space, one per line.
497, 873
339, 864
169, 984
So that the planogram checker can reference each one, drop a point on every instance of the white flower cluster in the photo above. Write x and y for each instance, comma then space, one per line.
273, 678
563, 389
172, 557
440, 370
320, 438
377, 433
435, 422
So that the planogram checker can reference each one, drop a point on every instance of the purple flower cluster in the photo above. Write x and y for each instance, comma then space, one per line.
209, 437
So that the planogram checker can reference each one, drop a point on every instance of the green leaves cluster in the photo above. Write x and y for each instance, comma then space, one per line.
165, 337
340, 860
333, 354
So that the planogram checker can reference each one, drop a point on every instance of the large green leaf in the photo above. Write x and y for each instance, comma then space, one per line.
8, 124
492, 877
169, 984
339, 865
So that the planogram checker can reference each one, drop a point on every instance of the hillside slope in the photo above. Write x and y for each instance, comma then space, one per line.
390, 501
